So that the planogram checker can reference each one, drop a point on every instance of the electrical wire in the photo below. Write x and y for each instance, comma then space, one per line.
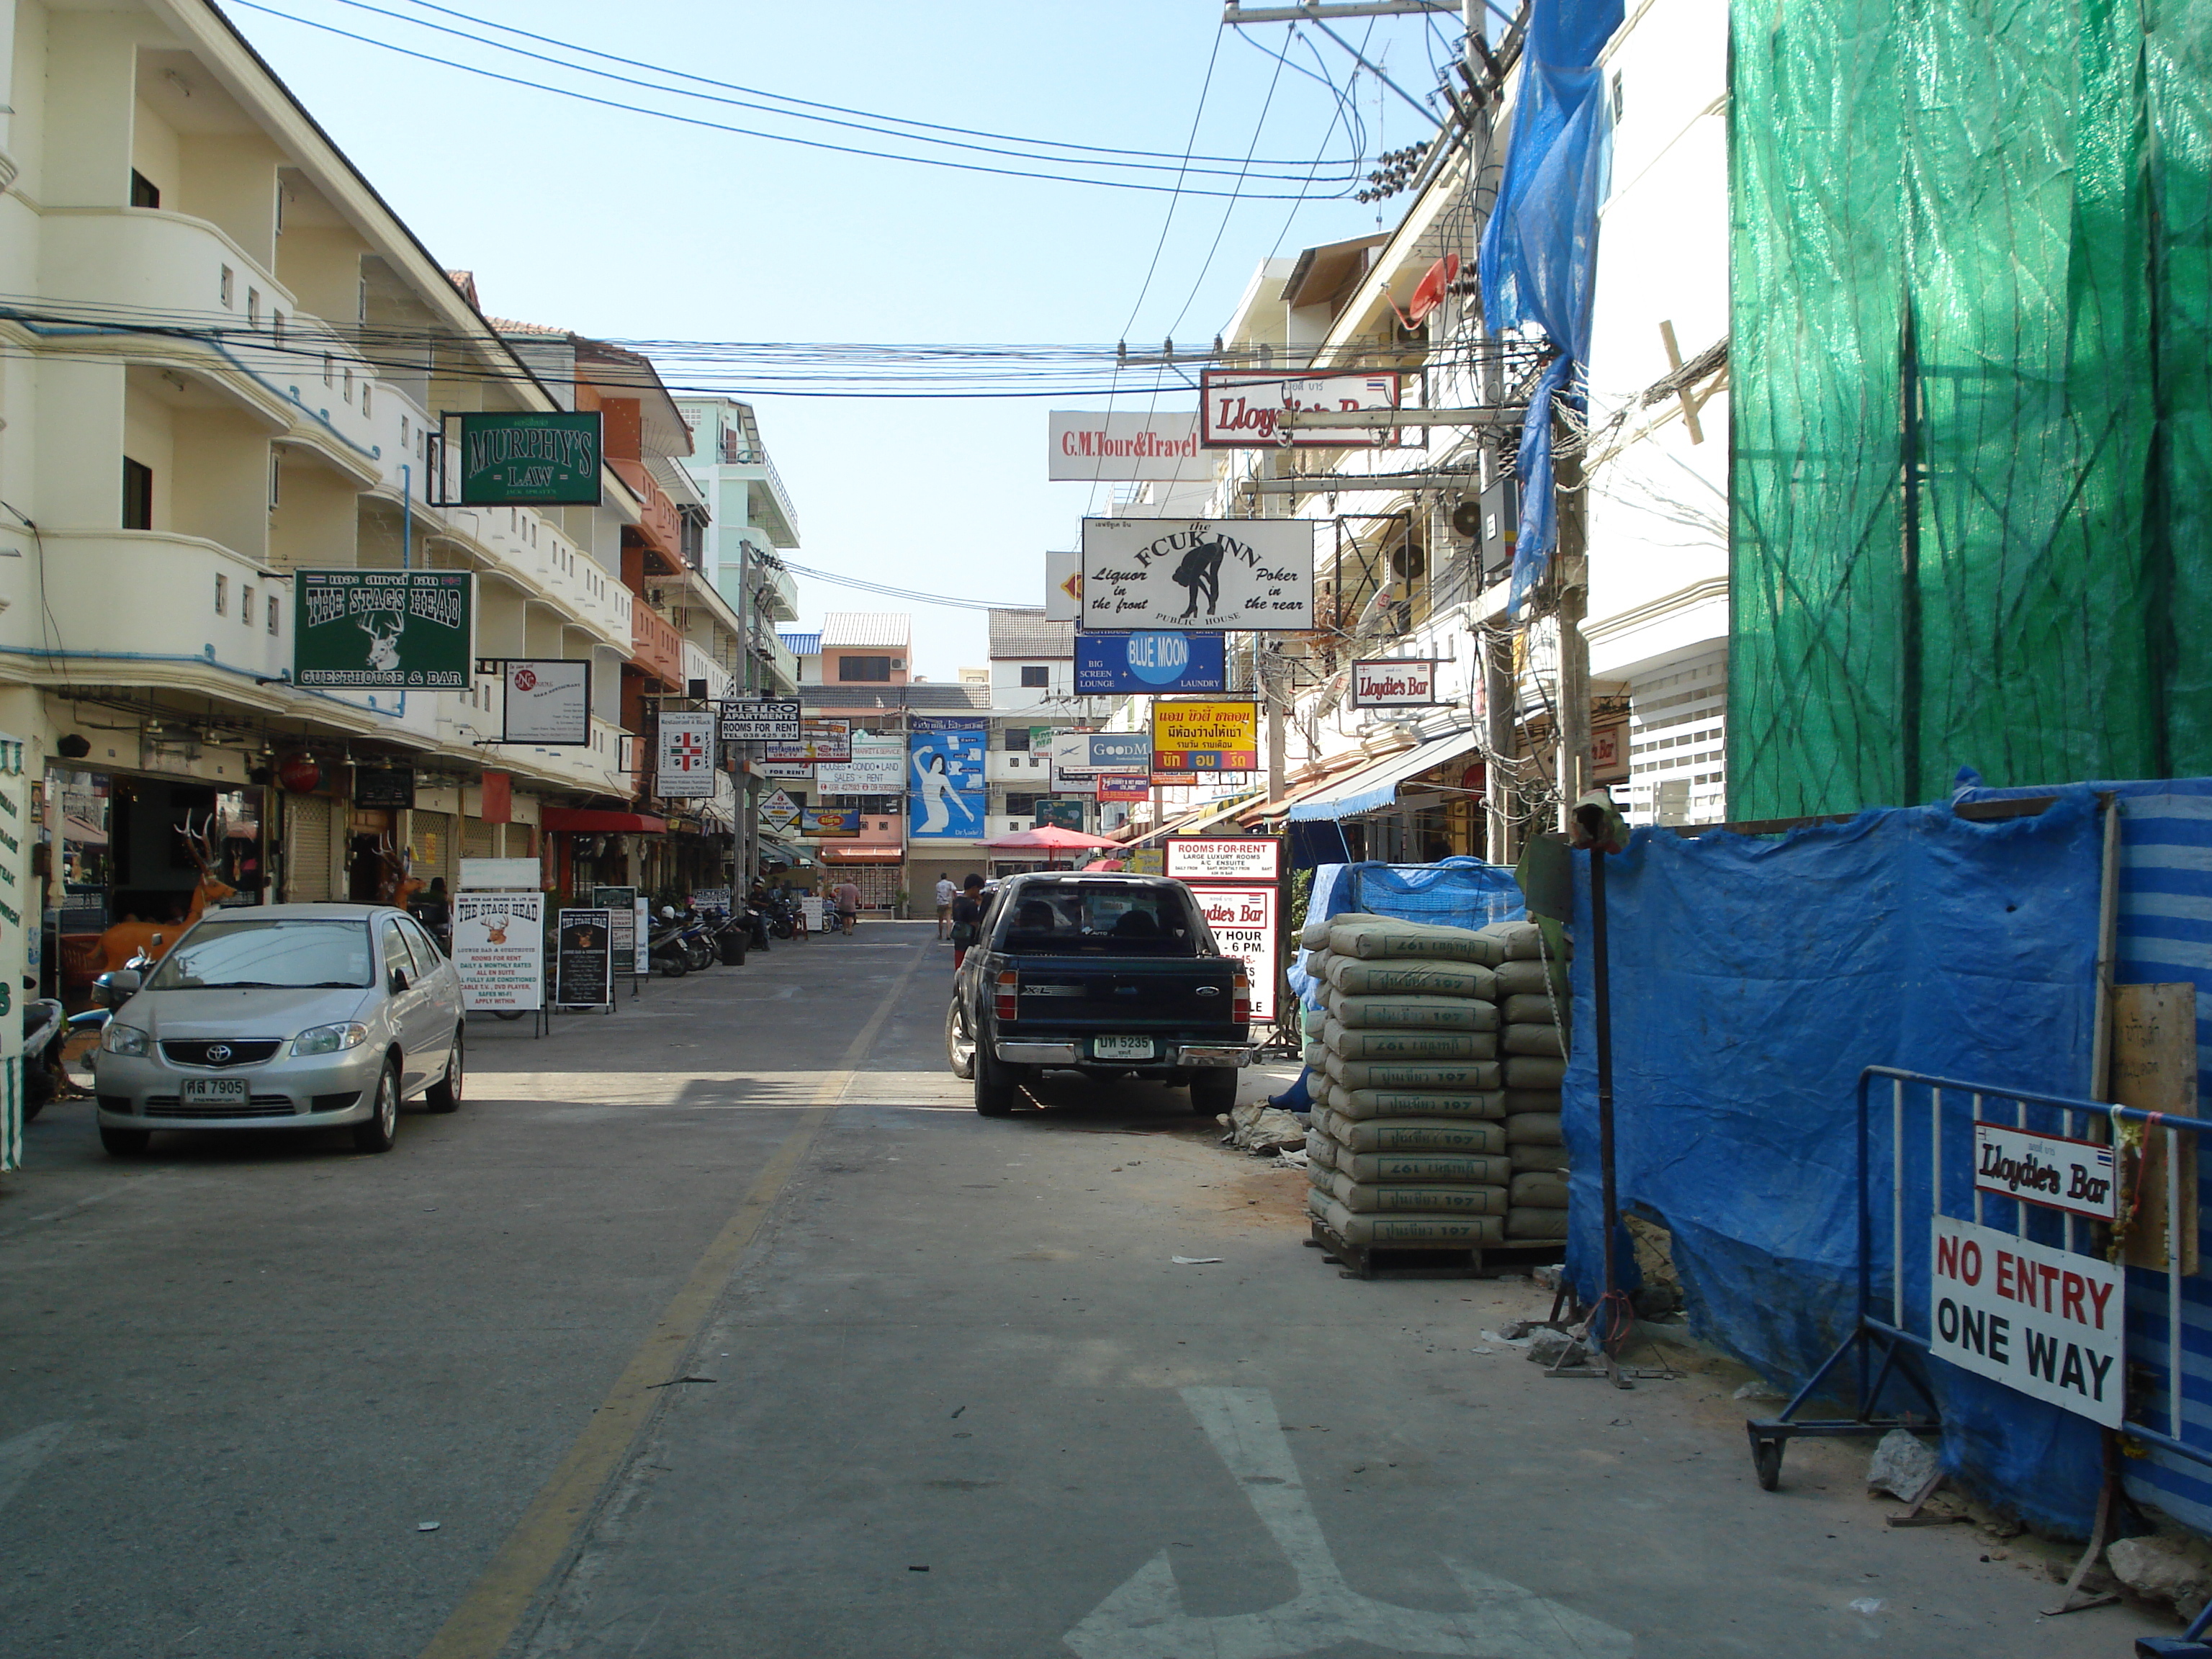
802, 103
907, 593
1180, 188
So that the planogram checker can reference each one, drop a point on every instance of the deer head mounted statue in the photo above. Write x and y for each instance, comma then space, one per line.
205, 846
398, 883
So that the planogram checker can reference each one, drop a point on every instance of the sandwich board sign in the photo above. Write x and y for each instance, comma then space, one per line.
499, 950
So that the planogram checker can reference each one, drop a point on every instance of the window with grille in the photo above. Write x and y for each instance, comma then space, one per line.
864, 668
1036, 674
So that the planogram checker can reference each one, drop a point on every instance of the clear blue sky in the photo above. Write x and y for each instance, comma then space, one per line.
624, 226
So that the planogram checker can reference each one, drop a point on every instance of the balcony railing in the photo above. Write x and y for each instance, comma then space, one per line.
154, 604
656, 646
658, 517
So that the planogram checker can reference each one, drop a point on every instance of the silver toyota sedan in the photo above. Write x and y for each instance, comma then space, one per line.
284, 1017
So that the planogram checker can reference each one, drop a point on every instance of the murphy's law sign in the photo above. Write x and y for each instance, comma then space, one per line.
530, 460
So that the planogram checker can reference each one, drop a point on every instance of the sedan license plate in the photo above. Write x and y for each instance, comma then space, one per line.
1121, 1047
215, 1091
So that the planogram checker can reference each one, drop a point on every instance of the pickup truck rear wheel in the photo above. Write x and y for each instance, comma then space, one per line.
994, 1085
959, 1045
1214, 1089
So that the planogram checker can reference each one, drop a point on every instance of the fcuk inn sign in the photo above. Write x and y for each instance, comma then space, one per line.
1394, 683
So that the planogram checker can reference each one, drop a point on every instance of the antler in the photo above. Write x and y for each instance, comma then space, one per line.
200, 846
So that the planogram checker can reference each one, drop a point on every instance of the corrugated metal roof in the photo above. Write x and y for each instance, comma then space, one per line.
801, 645
879, 628
869, 698
1025, 633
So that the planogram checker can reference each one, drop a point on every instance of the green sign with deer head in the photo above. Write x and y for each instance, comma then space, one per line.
413, 630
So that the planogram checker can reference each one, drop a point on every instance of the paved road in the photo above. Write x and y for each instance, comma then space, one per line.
723, 1327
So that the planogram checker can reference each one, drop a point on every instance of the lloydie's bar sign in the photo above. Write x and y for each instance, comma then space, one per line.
530, 460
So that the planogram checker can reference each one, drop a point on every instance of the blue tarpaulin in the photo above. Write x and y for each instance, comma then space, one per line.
1751, 979
1539, 256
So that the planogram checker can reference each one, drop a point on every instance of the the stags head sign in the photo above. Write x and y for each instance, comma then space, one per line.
408, 629
1201, 575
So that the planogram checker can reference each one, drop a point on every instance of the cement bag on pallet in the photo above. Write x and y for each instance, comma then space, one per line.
1409, 1045
1438, 979
1384, 1198
1533, 1129
1375, 938
1375, 1012
1471, 1137
1529, 1010
1530, 1100
1516, 941
1533, 1191
1313, 1022
1526, 979
1427, 1169
1329, 1126
1535, 1040
1538, 1226
1358, 1104
1314, 934
1321, 1156
1532, 1071
1405, 1232
1445, 1076
1527, 1155
1316, 1054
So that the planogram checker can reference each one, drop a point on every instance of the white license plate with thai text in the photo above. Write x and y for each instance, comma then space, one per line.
215, 1091
1121, 1047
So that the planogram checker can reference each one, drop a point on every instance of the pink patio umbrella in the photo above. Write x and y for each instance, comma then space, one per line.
1050, 838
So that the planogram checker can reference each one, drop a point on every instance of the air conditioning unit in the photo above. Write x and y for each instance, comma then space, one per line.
899, 663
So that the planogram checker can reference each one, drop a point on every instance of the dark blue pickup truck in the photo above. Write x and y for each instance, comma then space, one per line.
1110, 975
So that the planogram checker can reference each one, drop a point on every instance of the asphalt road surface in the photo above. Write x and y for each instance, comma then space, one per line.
722, 1326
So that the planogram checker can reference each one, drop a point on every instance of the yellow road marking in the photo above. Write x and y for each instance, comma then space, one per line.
483, 1625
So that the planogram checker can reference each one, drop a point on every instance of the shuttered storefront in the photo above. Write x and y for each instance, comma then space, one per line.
308, 849
479, 838
430, 845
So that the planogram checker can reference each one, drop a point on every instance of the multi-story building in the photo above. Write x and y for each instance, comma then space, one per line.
229, 362
750, 522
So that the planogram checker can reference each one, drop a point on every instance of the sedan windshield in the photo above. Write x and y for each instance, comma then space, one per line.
267, 956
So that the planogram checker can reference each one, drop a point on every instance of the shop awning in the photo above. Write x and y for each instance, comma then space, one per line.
589, 821
1377, 785
862, 854
1204, 815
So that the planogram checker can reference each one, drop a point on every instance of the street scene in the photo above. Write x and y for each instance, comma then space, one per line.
1212, 831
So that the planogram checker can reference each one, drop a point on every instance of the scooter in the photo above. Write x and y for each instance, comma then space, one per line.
664, 946
43, 1077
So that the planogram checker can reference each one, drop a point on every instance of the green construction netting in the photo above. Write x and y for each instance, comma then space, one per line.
2008, 212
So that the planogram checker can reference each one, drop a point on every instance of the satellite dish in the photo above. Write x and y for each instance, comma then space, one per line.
1467, 519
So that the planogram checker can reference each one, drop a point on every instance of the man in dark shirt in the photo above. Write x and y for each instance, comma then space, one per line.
967, 918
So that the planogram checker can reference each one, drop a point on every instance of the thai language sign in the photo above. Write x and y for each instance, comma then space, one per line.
1087, 447
1224, 858
1394, 683
685, 770
2047, 1169
549, 701
1156, 660
877, 768
499, 950
413, 630
946, 778
1206, 737
1203, 574
530, 460
1245, 926
1239, 407
2042, 1320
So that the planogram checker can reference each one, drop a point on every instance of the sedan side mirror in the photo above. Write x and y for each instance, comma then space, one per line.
399, 981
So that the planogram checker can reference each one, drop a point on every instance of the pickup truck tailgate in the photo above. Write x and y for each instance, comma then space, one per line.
1061, 994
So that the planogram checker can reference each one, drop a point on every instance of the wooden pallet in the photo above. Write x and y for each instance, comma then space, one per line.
1430, 1260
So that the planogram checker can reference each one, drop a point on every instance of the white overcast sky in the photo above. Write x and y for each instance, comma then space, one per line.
625, 225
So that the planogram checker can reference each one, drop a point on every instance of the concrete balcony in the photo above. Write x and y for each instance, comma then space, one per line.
149, 608
656, 646
658, 521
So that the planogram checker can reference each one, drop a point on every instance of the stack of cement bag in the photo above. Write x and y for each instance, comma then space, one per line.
1437, 1060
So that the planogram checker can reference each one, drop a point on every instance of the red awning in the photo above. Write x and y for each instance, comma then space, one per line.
584, 820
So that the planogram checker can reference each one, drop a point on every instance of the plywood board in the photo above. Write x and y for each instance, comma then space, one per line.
2154, 1068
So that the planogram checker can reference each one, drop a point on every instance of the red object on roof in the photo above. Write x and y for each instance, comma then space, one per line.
1429, 292
584, 820
1050, 838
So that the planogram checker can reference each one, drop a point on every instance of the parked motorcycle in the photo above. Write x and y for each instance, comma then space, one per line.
43, 1077
665, 945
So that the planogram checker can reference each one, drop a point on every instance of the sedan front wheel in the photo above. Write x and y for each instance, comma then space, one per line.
382, 1127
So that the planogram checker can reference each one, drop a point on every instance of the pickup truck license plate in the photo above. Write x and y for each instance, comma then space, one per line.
1121, 1047
215, 1091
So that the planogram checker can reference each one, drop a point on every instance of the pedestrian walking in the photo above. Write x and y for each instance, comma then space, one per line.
967, 920
946, 892
848, 904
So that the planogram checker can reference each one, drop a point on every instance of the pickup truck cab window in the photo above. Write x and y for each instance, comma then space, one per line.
1078, 918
